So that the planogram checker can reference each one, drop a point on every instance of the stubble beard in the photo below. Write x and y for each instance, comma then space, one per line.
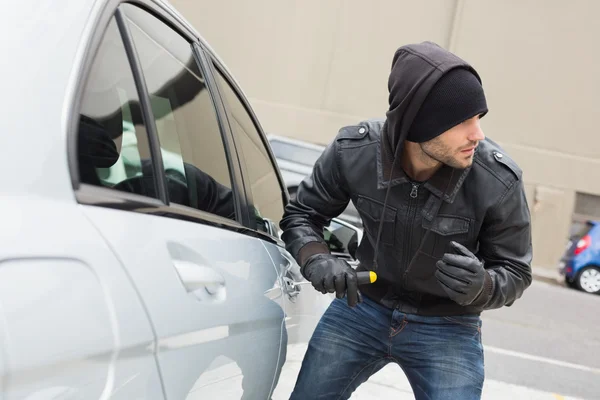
434, 152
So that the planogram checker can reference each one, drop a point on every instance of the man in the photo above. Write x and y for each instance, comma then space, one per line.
447, 230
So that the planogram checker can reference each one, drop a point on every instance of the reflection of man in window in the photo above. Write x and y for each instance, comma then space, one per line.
98, 147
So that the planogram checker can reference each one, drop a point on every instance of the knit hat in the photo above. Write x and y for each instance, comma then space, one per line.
456, 97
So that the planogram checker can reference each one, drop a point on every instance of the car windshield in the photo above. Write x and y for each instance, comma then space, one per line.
295, 153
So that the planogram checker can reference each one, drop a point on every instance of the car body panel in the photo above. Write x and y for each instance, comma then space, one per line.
74, 325
572, 264
44, 66
304, 307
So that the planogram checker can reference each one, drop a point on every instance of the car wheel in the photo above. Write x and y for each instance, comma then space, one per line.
571, 283
588, 280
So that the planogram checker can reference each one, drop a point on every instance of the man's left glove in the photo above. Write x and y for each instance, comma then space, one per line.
462, 276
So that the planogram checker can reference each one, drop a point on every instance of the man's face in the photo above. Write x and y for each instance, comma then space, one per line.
456, 146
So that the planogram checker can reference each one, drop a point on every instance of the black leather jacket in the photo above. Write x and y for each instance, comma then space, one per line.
484, 209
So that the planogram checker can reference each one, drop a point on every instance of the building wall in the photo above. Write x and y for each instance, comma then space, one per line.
312, 66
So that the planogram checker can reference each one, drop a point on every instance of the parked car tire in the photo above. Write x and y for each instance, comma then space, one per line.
588, 280
571, 283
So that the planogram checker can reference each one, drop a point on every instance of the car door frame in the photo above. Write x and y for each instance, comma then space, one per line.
106, 197
216, 66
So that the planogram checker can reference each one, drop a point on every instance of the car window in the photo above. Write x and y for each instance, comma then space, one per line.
295, 153
194, 157
266, 190
341, 239
112, 143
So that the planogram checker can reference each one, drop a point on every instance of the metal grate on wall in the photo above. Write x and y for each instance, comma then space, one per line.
587, 206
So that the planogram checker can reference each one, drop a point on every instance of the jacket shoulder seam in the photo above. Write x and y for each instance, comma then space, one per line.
492, 172
355, 146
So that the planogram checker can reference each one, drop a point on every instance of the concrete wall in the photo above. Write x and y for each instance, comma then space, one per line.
311, 66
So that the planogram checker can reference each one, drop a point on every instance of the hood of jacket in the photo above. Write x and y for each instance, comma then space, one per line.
415, 70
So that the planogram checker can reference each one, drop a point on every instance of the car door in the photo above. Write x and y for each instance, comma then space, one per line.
303, 305
170, 208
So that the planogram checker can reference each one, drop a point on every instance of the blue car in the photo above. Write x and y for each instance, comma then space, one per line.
581, 263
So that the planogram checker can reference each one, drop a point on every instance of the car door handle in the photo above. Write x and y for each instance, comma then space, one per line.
203, 282
291, 289
292, 278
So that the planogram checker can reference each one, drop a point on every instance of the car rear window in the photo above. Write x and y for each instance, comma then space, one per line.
581, 229
295, 153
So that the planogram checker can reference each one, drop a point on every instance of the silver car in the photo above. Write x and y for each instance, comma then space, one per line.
140, 254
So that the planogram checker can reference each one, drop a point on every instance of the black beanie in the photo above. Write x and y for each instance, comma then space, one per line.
456, 97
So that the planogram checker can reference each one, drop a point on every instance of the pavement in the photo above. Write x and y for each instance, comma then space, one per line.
548, 275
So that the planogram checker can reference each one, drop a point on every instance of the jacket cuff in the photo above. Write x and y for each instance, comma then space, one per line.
310, 249
486, 292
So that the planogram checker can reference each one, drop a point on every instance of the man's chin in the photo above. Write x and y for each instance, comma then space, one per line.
461, 164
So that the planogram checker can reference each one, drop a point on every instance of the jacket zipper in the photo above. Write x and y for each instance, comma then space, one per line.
414, 191
411, 213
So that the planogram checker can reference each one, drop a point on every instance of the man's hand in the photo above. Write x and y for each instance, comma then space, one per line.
329, 274
461, 275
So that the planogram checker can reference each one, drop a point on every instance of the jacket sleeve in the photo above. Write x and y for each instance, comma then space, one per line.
320, 197
505, 246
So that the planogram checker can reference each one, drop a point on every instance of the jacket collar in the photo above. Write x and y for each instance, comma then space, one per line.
447, 177
446, 180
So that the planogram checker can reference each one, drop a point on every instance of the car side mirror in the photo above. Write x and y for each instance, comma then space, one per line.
270, 227
342, 239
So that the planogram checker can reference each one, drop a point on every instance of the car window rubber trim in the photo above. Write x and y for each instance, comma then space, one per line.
147, 114
248, 108
99, 196
231, 153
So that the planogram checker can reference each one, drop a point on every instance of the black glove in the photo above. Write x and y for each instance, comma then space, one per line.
461, 275
329, 274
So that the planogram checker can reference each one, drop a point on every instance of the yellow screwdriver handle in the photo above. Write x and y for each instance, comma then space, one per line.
366, 277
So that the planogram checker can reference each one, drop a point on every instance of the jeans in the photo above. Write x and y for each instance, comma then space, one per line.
442, 357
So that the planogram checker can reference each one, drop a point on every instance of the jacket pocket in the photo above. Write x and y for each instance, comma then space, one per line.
372, 214
450, 225
445, 229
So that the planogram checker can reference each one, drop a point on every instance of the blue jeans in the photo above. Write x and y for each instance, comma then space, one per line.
442, 357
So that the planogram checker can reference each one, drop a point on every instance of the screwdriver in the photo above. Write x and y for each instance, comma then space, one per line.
365, 277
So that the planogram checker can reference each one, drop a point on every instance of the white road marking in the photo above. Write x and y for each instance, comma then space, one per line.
531, 357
